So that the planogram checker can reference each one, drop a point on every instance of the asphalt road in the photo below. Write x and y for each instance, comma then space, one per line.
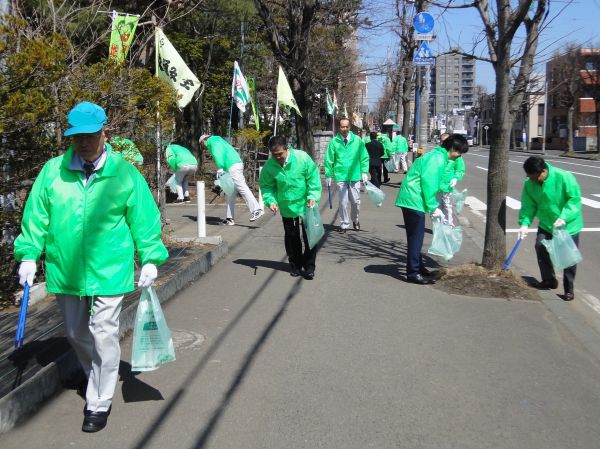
588, 175
354, 359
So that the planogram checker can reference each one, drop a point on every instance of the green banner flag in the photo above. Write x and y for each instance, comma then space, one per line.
284, 92
331, 106
171, 68
121, 37
254, 104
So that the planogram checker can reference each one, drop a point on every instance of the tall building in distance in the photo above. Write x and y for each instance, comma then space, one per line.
452, 84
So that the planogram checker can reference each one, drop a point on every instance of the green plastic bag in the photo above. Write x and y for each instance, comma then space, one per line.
447, 240
313, 225
458, 198
226, 183
172, 184
375, 195
152, 342
390, 165
562, 250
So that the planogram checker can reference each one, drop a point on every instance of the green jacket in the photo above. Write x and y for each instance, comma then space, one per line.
559, 196
346, 163
222, 153
127, 149
178, 156
388, 147
400, 144
454, 170
89, 231
422, 182
292, 185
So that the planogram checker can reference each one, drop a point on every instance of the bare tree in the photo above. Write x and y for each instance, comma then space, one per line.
513, 62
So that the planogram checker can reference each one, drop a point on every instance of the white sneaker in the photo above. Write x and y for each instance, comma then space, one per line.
256, 214
228, 222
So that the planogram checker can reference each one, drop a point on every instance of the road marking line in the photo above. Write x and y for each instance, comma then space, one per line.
591, 301
591, 203
481, 168
512, 203
596, 194
475, 204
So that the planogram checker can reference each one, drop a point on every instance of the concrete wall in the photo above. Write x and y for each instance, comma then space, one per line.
321, 139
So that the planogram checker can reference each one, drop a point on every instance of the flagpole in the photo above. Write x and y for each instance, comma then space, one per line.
276, 117
158, 169
231, 105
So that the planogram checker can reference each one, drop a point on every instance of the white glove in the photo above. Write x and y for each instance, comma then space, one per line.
328, 182
147, 275
453, 182
220, 173
364, 177
559, 223
523, 231
27, 271
437, 214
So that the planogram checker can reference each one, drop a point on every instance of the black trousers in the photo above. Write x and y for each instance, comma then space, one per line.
414, 223
545, 264
375, 172
293, 244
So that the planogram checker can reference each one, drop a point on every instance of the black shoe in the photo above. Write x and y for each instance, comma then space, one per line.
569, 296
294, 271
419, 279
187, 199
356, 225
309, 275
94, 421
545, 285
341, 230
179, 201
386, 180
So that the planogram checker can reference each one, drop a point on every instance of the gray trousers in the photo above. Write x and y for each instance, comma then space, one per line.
348, 191
95, 340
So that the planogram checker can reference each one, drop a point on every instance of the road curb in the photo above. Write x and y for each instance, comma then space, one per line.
27, 397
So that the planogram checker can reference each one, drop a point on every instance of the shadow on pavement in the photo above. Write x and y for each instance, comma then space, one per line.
135, 390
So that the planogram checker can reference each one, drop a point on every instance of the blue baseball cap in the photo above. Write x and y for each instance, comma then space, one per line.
85, 118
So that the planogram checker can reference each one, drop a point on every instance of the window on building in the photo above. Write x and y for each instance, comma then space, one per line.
540, 109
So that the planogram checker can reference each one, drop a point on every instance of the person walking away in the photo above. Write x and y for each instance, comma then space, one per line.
417, 196
184, 164
388, 147
228, 160
400, 152
347, 160
89, 209
554, 196
376, 153
289, 182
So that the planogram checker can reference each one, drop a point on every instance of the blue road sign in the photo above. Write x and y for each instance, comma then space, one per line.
423, 55
423, 23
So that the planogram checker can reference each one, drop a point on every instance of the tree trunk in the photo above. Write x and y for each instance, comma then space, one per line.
305, 102
494, 250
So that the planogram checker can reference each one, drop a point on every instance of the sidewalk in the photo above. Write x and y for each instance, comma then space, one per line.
46, 362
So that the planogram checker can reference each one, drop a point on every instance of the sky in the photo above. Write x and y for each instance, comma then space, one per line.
570, 21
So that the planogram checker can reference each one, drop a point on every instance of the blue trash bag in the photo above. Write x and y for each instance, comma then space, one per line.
562, 250
390, 165
152, 341
172, 184
446, 240
226, 183
375, 195
313, 225
458, 198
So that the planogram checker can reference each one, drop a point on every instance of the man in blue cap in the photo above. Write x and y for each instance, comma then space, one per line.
87, 209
